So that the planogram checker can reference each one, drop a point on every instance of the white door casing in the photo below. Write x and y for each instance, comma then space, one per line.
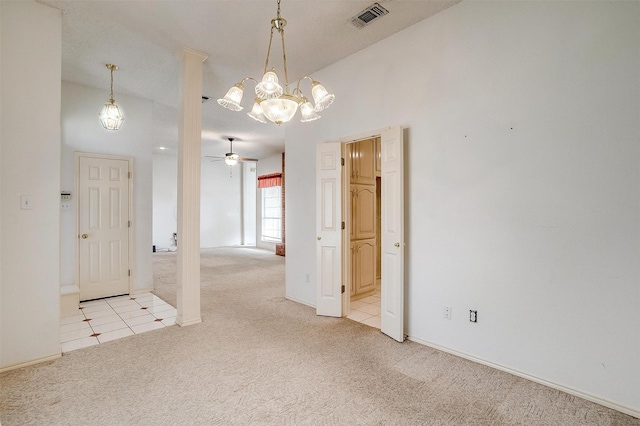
329, 229
392, 206
103, 190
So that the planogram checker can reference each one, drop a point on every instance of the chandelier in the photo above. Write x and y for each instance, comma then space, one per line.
110, 115
272, 101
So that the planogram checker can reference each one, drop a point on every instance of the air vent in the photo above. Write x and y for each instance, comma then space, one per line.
368, 15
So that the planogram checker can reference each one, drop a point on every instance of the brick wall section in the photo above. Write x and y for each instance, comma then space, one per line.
280, 250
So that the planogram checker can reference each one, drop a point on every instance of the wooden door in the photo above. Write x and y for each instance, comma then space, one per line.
364, 160
365, 265
364, 218
392, 204
103, 227
329, 229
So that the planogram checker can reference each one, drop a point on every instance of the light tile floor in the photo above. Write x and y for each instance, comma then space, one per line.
102, 320
366, 310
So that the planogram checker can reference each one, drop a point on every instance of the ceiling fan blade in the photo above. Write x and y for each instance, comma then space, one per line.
247, 159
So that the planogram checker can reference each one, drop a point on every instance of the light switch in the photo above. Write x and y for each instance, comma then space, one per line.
25, 202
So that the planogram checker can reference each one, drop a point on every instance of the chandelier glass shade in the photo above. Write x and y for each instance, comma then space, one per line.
274, 102
110, 115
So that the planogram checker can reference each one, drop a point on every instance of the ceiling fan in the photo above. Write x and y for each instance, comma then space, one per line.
231, 158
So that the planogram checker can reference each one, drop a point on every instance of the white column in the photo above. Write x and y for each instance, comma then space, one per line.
189, 140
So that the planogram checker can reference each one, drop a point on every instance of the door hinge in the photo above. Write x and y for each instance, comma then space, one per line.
344, 288
129, 175
129, 273
129, 224
342, 225
342, 161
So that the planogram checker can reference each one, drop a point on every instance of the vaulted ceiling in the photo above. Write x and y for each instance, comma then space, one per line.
143, 37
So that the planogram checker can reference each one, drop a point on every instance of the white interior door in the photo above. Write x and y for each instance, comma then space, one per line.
392, 206
103, 227
329, 229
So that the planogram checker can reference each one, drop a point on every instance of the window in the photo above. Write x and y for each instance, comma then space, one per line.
272, 214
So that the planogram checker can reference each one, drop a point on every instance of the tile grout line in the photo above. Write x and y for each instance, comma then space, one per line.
95, 334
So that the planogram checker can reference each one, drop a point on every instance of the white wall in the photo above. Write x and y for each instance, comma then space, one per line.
30, 146
266, 166
220, 203
82, 132
522, 175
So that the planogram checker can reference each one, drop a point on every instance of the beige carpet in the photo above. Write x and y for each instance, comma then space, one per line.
260, 359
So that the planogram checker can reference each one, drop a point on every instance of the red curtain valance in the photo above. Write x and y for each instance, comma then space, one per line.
267, 181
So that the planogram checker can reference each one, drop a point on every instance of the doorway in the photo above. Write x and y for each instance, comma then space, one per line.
363, 180
333, 244
103, 185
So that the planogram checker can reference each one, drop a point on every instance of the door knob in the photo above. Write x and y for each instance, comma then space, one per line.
318, 238
84, 236
397, 244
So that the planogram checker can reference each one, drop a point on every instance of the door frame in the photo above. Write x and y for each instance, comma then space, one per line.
76, 161
346, 269
346, 213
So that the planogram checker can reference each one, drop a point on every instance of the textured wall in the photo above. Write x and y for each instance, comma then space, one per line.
30, 145
522, 183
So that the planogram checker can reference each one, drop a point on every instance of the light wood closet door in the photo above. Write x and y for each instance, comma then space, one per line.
364, 211
363, 162
365, 265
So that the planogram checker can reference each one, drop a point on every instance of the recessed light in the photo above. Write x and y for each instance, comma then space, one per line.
161, 147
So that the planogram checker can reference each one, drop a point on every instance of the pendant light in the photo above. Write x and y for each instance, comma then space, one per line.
273, 102
110, 115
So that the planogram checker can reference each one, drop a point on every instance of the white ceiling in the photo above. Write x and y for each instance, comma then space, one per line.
142, 38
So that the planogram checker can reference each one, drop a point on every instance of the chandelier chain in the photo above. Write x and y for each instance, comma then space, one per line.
284, 60
266, 62
111, 93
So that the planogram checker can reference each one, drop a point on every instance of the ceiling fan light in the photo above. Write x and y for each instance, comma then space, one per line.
231, 159
307, 111
256, 112
280, 110
321, 97
269, 87
233, 98
110, 115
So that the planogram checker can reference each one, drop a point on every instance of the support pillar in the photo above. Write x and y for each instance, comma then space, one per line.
189, 141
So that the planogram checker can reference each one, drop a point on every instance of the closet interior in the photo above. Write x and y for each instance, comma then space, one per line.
364, 214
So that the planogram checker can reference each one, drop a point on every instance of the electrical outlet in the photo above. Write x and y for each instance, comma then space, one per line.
65, 206
473, 316
447, 312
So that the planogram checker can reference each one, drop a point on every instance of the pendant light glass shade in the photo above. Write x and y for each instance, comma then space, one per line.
280, 110
269, 87
321, 97
233, 98
256, 112
307, 111
110, 116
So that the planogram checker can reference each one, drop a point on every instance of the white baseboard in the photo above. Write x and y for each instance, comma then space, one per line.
609, 404
188, 323
293, 299
28, 363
